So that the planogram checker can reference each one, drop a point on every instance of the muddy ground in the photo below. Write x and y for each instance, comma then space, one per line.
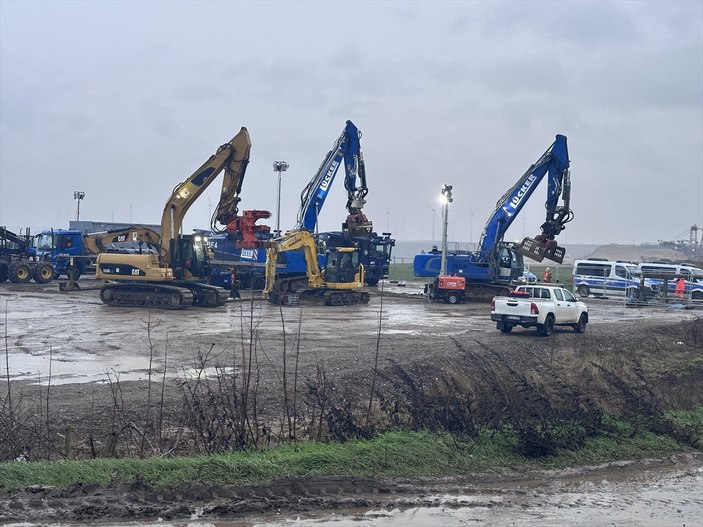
310, 372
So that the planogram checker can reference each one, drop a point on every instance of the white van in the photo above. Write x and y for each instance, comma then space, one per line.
692, 275
600, 277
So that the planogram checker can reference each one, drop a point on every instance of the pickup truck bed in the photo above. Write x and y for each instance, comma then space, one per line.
541, 306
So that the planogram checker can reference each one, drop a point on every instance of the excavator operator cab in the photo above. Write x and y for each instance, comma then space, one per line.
510, 262
342, 264
191, 259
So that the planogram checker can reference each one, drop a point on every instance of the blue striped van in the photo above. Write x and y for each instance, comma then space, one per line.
600, 277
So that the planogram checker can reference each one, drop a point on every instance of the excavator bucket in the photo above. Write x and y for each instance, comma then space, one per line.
538, 251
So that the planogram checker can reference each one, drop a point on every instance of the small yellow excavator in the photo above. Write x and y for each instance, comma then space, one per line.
338, 283
176, 276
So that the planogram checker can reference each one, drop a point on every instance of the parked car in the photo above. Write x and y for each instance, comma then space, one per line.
540, 306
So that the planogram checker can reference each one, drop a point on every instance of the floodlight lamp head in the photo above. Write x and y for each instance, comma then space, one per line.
447, 193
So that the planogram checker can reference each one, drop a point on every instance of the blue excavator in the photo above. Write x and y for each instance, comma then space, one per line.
497, 265
357, 230
248, 258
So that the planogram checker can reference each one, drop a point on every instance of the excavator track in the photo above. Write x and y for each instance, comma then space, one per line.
146, 295
205, 295
291, 291
482, 292
345, 298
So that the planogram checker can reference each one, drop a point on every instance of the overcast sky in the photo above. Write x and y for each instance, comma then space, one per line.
123, 100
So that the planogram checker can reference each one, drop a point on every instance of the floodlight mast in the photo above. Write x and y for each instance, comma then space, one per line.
78, 196
279, 166
446, 200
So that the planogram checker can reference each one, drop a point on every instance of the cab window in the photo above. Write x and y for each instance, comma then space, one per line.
568, 296
557, 293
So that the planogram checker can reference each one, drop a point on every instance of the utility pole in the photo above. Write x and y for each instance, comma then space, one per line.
447, 199
279, 166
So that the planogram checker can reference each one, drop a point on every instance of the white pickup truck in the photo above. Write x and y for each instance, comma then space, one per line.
540, 305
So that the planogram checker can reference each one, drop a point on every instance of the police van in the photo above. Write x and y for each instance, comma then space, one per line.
601, 277
692, 275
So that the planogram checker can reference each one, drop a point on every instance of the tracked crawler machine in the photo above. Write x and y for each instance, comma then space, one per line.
338, 283
176, 276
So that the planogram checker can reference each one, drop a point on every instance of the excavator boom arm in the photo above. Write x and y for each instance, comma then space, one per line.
99, 242
289, 242
346, 150
232, 157
555, 162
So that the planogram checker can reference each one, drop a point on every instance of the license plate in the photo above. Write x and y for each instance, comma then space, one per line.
512, 317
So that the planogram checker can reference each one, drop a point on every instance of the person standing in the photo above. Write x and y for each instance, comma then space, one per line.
680, 286
547, 276
234, 287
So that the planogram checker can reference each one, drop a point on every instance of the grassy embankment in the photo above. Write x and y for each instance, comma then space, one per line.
395, 454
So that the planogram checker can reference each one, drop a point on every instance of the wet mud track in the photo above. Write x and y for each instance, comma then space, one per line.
649, 493
86, 340
431, 357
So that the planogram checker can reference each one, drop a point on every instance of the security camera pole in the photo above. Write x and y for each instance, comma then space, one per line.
446, 200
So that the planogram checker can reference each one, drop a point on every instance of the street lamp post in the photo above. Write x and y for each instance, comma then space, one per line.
279, 166
78, 196
447, 199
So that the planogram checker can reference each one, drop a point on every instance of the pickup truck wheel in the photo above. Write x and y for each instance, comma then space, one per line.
505, 328
452, 298
547, 328
584, 290
580, 326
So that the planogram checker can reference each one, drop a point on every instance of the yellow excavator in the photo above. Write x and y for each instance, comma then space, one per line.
338, 283
176, 276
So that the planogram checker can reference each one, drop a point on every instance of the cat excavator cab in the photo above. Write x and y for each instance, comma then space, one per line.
339, 283
176, 277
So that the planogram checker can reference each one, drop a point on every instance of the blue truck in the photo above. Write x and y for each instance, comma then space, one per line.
74, 253
66, 251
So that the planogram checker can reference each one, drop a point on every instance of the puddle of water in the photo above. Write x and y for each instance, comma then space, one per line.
648, 498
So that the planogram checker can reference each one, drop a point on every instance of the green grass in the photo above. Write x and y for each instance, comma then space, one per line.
394, 454
404, 271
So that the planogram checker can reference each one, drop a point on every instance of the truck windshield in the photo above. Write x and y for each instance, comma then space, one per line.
45, 242
381, 251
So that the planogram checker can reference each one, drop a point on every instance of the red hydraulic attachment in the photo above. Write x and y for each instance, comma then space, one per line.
245, 225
